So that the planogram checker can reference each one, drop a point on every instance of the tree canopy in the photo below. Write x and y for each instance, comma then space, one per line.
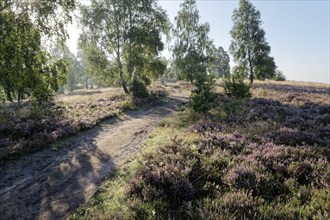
120, 45
128, 35
192, 54
249, 46
26, 68
49, 17
220, 65
192, 45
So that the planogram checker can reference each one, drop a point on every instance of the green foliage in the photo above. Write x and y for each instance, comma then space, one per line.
240, 72
26, 69
146, 80
279, 76
77, 75
2, 95
153, 69
233, 106
49, 17
139, 89
192, 54
249, 46
237, 88
306, 203
265, 68
97, 65
192, 45
202, 96
220, 65
127, 35
127, 104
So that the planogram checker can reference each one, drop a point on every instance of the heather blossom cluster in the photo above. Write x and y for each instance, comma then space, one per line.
24, 134
260, 158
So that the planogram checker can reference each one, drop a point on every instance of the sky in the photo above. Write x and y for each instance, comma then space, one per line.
297, 31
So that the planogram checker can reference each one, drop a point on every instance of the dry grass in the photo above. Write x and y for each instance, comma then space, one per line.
89, 95
23, 129
293, 83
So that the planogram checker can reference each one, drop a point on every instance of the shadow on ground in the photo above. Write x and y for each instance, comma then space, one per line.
51, 183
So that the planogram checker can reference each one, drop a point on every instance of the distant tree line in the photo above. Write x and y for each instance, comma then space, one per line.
120, 45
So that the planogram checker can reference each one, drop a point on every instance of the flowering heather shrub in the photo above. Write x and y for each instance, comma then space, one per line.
295, 122
323, 120
272, 156
242, 178
21, 131
5, 142
235, 142
176, 175
261, 158
302, 171
308, 124
202, 127
173, 176
266, 109
241, 205
237, 178
206, 208
294, 137
232, 205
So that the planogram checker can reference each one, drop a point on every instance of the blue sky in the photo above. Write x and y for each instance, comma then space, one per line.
297, 31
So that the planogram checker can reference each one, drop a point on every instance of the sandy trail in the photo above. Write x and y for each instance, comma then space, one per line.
51, 183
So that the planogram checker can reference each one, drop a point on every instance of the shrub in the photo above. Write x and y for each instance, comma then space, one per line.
293, 137
202, 97
204, 209
302, 171
233, 143
242, 178
232, 108
166, 176
237, 88
241, 205
305, 204
146, 80
127, 104
269, 188
158, 91
139, 89
279, 76
175, 175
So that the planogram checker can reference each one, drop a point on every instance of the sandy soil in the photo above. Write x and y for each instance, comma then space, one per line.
50, 184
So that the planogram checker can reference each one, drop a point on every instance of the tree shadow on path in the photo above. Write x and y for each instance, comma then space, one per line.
51, 183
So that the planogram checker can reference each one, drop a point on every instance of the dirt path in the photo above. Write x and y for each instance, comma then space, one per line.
50, 184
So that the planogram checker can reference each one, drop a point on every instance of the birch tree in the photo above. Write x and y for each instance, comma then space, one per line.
249, 46
128, 33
